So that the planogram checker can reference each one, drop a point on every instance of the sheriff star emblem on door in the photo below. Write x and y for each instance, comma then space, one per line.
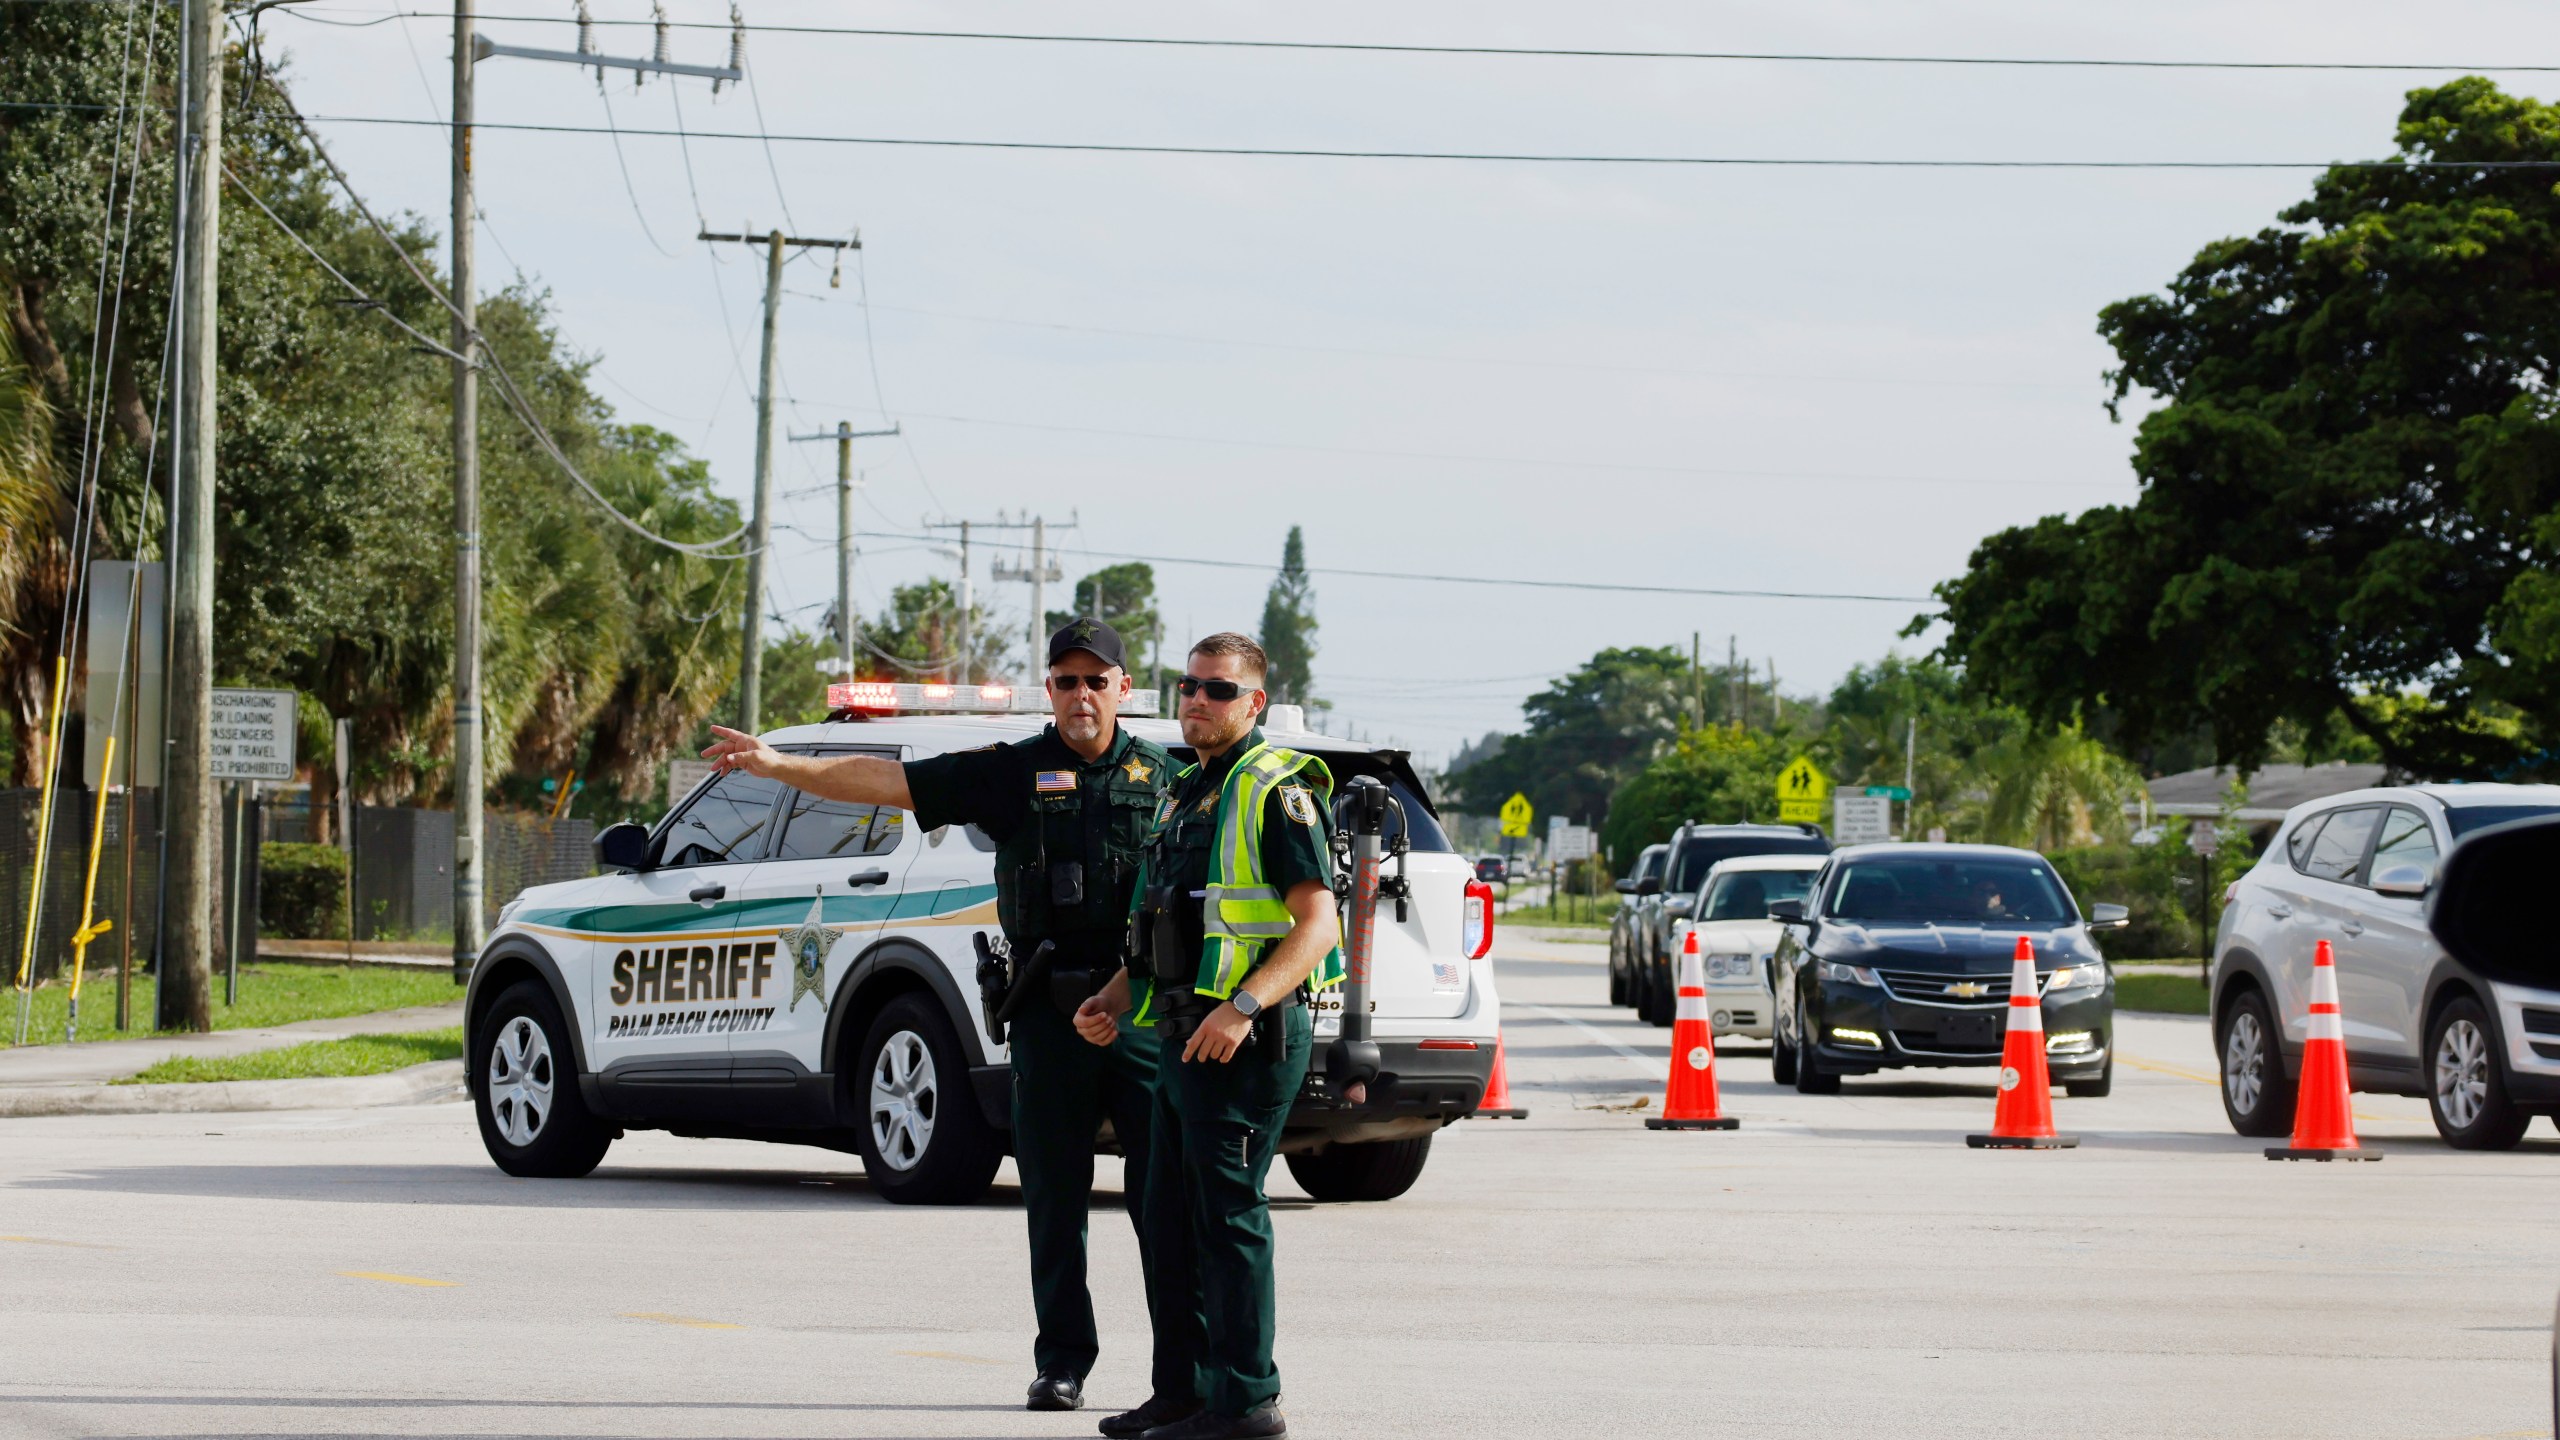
807, 943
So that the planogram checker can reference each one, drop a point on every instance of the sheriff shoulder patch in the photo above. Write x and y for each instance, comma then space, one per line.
1299, 803
1050, 782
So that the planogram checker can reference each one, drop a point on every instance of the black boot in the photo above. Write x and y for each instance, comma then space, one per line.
1262, 1422
1159, 1410
1060, 1391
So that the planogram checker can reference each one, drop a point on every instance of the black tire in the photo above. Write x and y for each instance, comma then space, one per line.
1810, 1077
524, 1089
2257, 1094
1782, 1055
923, 1139
1379, 1170
1617, 978
2467, 1078
1660, 1004
2096, 1089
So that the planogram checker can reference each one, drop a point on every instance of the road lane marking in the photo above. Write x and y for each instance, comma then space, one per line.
65, 1244
2159, 1069
946, 1355
1646, 1063
387, 1278
685, 1320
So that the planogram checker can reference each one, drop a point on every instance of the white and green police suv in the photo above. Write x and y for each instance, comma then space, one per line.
763, 964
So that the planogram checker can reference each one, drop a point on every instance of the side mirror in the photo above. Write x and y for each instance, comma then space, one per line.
1624, 887
2109, 917
2408, 882
1649, 885
1678, 907
623, 846
1787, 912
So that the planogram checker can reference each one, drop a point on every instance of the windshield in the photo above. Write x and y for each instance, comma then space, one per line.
1699, 853
1745, 894
2463, 819
1949, 890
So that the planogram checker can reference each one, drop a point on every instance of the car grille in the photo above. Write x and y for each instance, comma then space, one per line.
1929, 1042
1932, 989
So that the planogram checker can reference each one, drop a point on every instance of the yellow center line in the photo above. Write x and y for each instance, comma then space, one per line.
946, 1355
388, 1278
65, 1244
655, 1317
2159, 1069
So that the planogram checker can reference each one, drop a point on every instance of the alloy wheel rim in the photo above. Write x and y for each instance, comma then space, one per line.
905, 1099
2462, 1073
2244, 1063
520, 1081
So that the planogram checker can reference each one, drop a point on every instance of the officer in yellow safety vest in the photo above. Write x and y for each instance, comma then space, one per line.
1236, 932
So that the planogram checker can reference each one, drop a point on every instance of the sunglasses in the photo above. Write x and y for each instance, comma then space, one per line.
1066, 684
1221, 691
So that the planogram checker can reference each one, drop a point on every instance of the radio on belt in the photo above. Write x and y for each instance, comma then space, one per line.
1352, 1060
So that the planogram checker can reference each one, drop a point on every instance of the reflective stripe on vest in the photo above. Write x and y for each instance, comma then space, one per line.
1243, 914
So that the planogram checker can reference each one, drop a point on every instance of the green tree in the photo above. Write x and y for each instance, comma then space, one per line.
2053, 789
1719, 775
1289, 627
918, 637
1587, 734
2351, 496
34, 511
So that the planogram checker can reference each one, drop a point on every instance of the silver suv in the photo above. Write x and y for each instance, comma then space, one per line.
2354, 870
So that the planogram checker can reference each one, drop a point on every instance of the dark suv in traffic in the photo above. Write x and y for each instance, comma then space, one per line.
1659, 900
1900, 956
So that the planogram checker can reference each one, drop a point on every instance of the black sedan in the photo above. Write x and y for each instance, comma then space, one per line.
1900, 956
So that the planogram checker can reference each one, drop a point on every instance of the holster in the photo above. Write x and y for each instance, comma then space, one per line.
992, 983
1026, 979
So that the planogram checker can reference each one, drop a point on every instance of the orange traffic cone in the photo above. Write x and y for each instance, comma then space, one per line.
2024, 1120
1497, 1091
2324, 1125
1689, 1100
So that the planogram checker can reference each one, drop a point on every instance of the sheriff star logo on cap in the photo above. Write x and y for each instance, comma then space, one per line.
1083, 631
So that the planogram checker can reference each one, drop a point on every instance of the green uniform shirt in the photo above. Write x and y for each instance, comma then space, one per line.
1297, 822
1044, 804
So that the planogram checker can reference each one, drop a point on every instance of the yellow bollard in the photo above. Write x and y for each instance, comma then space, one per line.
44, 842
90, 928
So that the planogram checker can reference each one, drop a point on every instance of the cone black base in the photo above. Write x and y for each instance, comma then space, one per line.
2022, 1142
2287, 1152
1658, 1123
1498, 1114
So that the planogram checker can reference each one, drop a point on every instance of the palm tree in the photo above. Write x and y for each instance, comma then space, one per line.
2052, 789
34, 562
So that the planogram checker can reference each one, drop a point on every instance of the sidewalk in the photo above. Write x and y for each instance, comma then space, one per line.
97, 1062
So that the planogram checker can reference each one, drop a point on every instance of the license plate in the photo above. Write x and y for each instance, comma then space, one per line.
1983, 1029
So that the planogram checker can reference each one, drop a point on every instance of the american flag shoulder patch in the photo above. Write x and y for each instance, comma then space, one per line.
1051, 781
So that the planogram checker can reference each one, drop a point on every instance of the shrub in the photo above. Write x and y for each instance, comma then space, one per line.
302, 891
2157, 883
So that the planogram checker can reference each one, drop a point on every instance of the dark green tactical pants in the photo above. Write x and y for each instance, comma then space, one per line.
1063, 1089
1217, 1127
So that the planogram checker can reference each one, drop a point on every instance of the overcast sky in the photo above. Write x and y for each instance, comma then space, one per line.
1769, 378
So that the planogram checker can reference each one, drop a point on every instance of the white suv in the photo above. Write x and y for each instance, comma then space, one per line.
2354, 870
1737, 939
763, 964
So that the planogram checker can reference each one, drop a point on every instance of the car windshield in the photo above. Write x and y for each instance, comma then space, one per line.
1745, 894
2463, 819
1948, 890
1700, 853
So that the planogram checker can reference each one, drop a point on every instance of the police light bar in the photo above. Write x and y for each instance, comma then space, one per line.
883, 697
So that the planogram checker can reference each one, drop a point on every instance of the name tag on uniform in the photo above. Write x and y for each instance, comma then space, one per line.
1049, 782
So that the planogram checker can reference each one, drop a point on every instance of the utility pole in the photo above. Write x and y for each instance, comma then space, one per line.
186, 971
760, 523
844, 435
1041, 572
469, 750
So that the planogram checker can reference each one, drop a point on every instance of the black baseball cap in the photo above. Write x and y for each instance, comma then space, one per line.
1093, 636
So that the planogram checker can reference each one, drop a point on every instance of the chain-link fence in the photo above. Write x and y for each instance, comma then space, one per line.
404, 866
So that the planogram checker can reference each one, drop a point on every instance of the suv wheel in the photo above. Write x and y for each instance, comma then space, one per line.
923, 1141
1617, 977
1379, 1170
2256, 1093
1811, 1078
2096, 1086
533, 1122
2467, 1087
1659, 1004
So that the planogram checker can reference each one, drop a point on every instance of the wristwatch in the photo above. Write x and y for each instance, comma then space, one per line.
1245, 1004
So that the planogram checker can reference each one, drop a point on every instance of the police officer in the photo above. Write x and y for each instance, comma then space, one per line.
1069, 809
1237, 931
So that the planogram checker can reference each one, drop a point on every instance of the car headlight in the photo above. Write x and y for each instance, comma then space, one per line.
2076, 977
1849, 974
1729, 967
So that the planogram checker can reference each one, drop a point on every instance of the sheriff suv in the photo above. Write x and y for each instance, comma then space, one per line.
763, 964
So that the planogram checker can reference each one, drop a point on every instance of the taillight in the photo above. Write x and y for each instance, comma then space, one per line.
1477, 933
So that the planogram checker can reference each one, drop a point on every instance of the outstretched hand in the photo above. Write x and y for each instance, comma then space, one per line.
738, 750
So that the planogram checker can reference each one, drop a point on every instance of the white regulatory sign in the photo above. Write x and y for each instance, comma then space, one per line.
252, 735
683, 775
1571, 842
1860, 819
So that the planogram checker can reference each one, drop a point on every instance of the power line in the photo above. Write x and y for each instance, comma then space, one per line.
1531, 51
1511, 582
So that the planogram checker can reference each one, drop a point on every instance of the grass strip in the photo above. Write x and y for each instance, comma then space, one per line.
2168, 994
355, 1055
269, 995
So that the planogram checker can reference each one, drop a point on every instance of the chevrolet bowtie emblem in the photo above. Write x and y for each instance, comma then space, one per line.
1968, 989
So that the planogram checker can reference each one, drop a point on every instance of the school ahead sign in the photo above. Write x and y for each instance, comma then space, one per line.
1801, 791
1516, 816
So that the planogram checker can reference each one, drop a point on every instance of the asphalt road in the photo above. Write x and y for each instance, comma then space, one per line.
1839, 1266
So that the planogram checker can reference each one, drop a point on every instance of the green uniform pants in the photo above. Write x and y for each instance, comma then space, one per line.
1217, 1127
1063, 1089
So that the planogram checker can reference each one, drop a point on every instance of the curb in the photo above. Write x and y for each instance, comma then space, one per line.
435, 1080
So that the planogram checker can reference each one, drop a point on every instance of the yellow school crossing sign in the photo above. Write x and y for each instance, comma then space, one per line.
1516, 816
1801, 791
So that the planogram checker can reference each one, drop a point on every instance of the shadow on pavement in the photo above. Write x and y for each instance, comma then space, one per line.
412, 1402
609, 1187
